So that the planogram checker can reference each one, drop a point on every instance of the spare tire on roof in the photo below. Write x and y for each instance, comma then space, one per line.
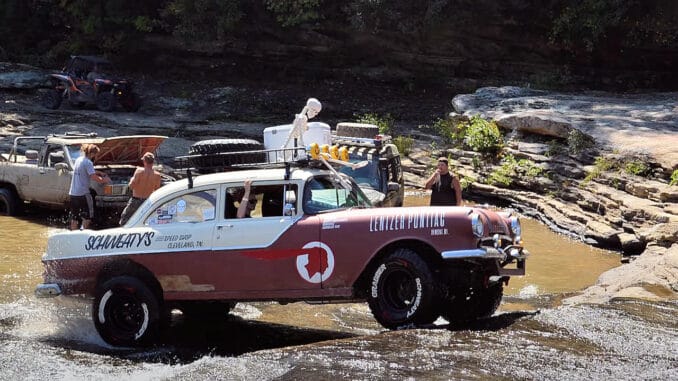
215, 153
357, 130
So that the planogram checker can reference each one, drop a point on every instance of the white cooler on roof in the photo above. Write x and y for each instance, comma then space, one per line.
275, 138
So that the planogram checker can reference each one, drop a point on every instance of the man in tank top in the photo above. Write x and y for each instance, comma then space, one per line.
444, 186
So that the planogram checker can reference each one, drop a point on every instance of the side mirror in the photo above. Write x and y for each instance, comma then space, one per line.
393, 187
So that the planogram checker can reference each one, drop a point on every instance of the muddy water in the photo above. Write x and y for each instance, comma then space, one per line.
531, 337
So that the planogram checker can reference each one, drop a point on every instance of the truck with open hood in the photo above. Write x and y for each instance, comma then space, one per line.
38, 170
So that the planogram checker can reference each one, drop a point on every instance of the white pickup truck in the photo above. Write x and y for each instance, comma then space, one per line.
38, 170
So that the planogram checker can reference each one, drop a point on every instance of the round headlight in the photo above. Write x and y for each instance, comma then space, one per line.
477, 225
515, 226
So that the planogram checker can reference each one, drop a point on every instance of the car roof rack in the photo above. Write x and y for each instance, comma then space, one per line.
361, 142
240, 160
287, 158
74, 134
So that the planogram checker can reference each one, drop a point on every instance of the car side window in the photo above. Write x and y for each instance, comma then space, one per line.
55, 155
199, 206
265, 200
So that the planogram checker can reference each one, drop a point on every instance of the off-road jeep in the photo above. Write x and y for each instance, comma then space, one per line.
382, 177
104, 90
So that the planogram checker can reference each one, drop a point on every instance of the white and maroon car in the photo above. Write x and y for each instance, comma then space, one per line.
311, 237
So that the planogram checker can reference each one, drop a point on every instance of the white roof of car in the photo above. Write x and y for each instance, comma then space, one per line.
235, 176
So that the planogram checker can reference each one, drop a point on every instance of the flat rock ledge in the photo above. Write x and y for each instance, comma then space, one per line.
639, 123
652, 276
635, 215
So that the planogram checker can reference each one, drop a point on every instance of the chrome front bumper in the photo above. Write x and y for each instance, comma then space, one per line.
47, 290
515, 252
503, 256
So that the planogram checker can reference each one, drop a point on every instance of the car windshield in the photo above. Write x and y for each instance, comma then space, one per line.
367, 176
323, 193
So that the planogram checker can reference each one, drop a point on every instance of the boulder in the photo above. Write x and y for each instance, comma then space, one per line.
630, 244
604, 234
665, 234
669, 194
536, 123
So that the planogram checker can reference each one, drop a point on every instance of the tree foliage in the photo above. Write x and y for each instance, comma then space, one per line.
585, 25
405, 16
294, 12
201, 20
35, 30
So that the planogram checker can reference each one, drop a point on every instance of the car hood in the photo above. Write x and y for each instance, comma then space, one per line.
127, 149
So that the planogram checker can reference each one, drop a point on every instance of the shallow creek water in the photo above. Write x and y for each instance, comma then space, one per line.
530, 337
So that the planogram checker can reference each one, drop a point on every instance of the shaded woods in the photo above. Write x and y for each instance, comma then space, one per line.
603, 44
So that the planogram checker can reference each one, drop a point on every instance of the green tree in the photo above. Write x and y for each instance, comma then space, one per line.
23, 24
107, 26
201, 20
294, 12
405, 16
586, 25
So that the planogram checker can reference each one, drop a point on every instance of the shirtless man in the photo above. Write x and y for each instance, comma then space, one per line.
143, 183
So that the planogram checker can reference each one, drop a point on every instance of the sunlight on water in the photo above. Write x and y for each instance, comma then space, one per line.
556, 264
45, 339
24, 242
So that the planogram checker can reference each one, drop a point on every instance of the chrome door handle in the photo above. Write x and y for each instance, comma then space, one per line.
220, 227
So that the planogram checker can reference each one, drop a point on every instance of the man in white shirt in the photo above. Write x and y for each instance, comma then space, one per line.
81, 203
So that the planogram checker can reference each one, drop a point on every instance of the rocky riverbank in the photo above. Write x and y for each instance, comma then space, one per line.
634, 211
594, 195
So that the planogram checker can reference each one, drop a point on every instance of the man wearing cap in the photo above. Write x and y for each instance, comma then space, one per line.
445, 187
143, 183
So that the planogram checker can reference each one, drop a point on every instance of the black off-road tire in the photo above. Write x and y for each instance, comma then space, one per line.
472, 304
217, 152
357, 131
126, 312
52, 99
106, 101
10, 205
403, 291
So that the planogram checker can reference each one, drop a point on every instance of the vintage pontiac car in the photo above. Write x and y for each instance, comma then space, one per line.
312, 236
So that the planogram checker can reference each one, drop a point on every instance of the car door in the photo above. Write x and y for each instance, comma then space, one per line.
181, 241
47, 184
263, 255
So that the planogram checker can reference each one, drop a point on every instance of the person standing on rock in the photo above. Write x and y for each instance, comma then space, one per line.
144, 181
444, 186
81, 203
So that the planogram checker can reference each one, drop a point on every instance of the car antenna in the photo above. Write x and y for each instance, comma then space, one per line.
190, 178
